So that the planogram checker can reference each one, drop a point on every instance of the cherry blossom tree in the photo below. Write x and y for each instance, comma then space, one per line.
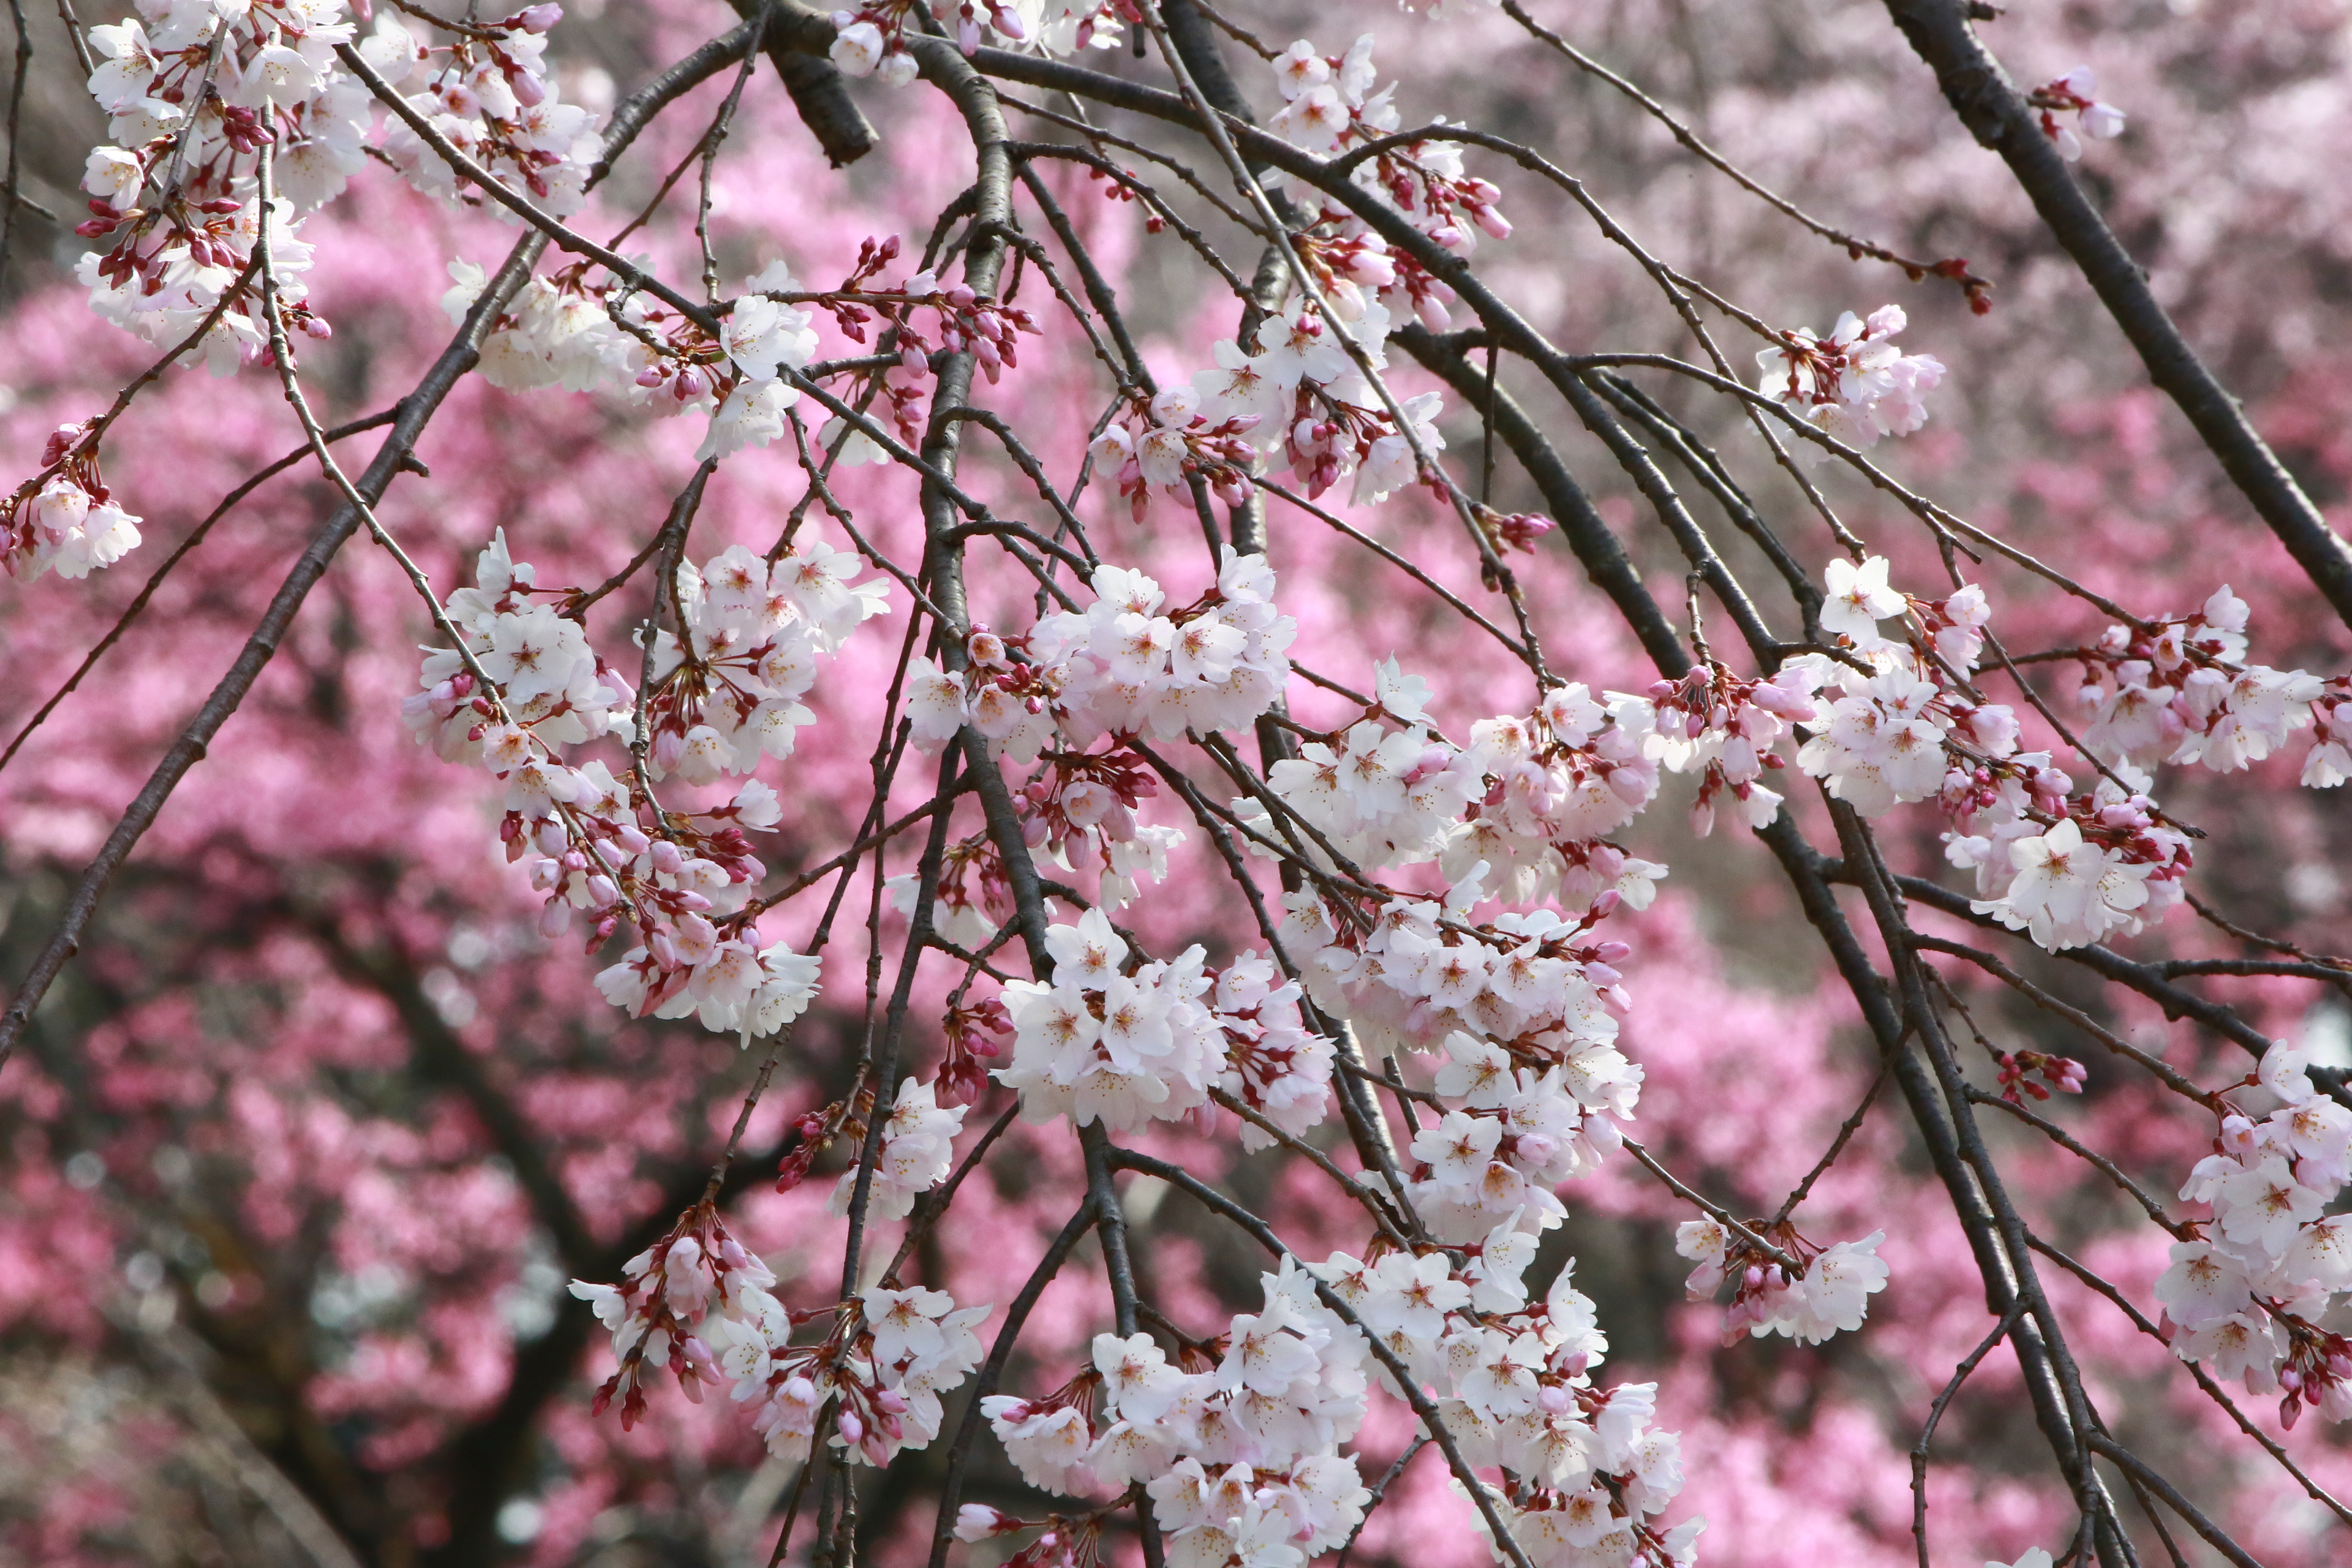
879, 787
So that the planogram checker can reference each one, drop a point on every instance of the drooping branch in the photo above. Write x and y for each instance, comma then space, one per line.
1999, 117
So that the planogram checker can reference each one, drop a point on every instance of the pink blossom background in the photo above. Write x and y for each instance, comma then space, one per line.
285, 1119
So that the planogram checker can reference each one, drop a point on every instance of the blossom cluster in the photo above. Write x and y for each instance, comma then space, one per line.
1899, 720
570, 330
1296, 394
1126, 1043
1299, 398
193, 93
1583, 1474
1855, 384
489, 94
1128, 665
698, 1304
1236, 1444
526, 685
583, 331
871, 39
659, 1312
1531, 797
64, 517
918, 1139
2247, 1292
1726, 728
1830, 1294
1123, 666
197, 96
1330, 106
2180, 690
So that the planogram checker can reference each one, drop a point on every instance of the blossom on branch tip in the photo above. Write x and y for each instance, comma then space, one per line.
2076, 92
1855, 386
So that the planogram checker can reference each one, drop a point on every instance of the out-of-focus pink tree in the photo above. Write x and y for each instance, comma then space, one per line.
1029, 782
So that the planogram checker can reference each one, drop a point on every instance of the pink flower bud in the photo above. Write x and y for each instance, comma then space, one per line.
555, 918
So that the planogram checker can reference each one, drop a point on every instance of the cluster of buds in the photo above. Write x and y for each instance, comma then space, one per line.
2315, 1373
63, 517
2020, 1069
987, 329
819, 1128
974, 1032
1426, 179
1332, 434
1114, 189
1348, 262
1353, 266
1512, 529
